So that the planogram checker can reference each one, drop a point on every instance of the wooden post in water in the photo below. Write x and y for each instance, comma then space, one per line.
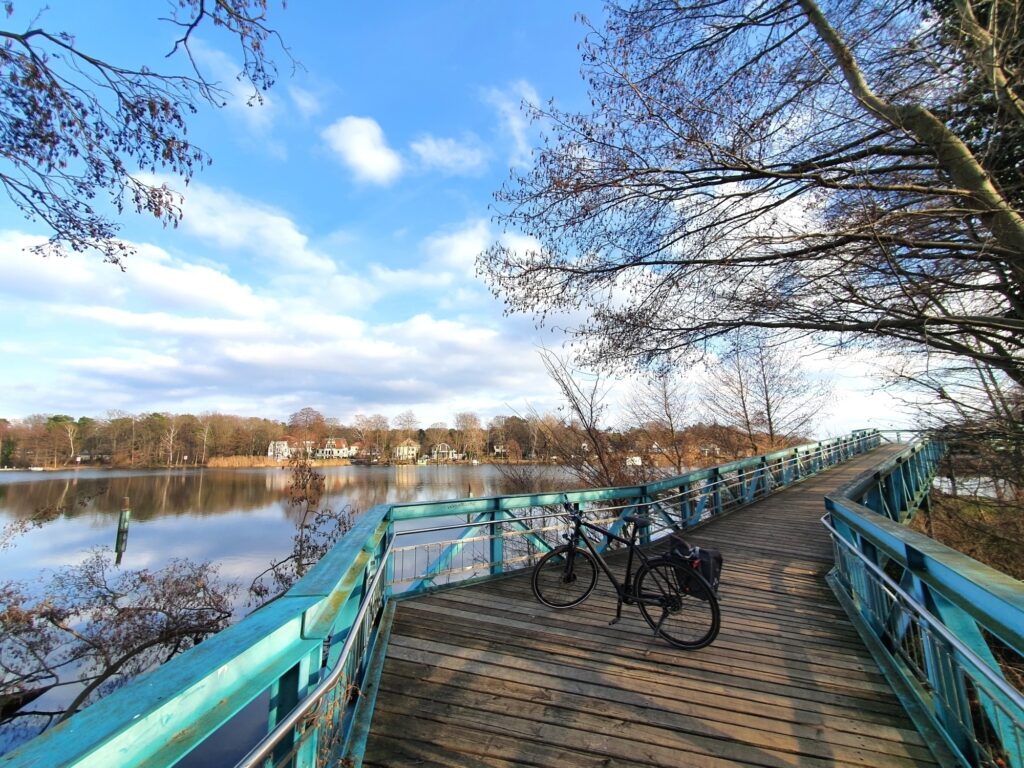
121, 542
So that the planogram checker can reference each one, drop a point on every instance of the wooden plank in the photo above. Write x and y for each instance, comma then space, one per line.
664, 706
480, 746
736, 631
484, 635
625, 677
585, 734
667, 686
649, 725
731, 643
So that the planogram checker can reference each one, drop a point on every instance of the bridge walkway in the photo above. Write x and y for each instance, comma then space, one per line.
486, 676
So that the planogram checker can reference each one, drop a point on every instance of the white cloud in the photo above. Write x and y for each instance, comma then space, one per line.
451, 156
462, 299
307, 103
254, 108
27, 276
179, 333
169, 324
514, 122
409, 279
231, 221
521, 244
360, 145
133, 363
458, 250
187, 286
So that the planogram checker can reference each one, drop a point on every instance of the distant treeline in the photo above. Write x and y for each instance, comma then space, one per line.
125, 440
170, 440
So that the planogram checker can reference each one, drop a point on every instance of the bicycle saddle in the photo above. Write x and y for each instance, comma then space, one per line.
641, 522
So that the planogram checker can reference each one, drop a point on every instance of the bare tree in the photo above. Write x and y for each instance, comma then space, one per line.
978, 414
77, 126
850, 171
467, 426
579, 436
317, 529
437, 433
7, 444
205, 428
760, 388
167, 438
406, 424
497, 438
657, 408
307, 424
373, 431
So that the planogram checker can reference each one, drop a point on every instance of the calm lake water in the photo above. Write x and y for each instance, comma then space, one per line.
238, 518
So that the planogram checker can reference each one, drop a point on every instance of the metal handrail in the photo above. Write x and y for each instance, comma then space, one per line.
706, 483
936, 624
941, 660
263, 749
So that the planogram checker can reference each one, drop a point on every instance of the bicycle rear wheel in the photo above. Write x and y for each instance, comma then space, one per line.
561, 580
681, 619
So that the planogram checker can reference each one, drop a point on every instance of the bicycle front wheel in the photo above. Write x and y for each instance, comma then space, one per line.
682, 619
564, 577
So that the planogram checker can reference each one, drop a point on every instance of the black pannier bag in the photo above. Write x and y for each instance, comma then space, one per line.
686, 559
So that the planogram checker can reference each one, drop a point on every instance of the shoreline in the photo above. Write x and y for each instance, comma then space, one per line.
262, 462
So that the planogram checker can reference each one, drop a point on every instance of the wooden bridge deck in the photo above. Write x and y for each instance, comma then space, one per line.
486, 676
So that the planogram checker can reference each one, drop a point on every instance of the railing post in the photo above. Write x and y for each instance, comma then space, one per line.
716, 503
642, 510
873, 607
874, 500
285, 692
389, 564
946, 686
914, 479
497, 549
685, 506
894, 492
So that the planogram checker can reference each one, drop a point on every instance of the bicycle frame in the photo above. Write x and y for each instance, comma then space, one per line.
663, 582
624, 589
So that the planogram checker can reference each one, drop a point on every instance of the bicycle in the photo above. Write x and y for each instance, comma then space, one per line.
676, 601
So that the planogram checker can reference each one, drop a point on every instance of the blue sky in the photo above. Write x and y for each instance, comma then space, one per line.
325, 259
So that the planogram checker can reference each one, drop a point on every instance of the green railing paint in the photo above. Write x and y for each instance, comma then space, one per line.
289, 646
929, 613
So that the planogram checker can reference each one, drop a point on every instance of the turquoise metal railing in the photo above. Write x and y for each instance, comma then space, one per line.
313, 655
480, 538
939, 623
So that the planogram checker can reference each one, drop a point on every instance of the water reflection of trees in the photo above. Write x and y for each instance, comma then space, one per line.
213, 492
152, 495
